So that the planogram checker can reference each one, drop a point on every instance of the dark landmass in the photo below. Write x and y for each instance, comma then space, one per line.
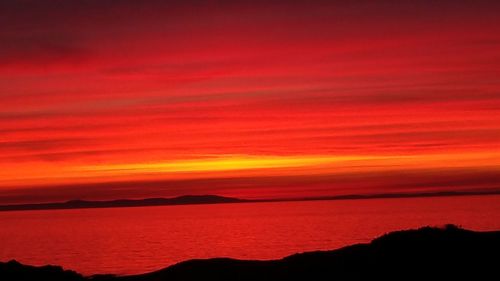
215, 199
448, 253
80, 204
400, 195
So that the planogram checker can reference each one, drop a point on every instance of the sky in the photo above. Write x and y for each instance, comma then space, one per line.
252, 99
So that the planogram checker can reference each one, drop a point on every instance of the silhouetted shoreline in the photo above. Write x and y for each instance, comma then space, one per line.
216, 199
428, 253
84, 204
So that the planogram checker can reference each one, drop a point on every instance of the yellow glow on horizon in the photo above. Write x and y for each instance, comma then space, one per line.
289, 165
43, 173
223, 163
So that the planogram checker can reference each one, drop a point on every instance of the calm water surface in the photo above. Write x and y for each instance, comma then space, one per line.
136, 240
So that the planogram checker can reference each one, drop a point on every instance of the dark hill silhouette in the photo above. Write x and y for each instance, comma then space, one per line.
13, 270
78, 204
215, 199
448, 253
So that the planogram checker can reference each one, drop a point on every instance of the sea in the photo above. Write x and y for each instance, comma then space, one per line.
143, 239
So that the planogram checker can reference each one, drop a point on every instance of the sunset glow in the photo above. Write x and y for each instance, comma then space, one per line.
247, 100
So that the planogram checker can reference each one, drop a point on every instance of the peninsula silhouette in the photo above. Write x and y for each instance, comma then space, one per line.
216, 199
81, 204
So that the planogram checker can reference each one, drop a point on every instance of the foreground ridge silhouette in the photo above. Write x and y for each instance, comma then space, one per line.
428, 253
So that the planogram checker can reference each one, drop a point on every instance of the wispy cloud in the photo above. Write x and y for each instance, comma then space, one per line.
280, 82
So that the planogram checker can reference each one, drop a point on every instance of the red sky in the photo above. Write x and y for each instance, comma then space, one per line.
131, 99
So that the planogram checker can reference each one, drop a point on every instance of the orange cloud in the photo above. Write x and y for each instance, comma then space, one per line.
242, 90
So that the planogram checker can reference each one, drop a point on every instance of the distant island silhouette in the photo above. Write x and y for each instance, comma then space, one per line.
216, 199
80, 204
428, 253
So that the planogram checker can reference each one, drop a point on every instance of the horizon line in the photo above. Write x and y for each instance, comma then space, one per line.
218, 199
